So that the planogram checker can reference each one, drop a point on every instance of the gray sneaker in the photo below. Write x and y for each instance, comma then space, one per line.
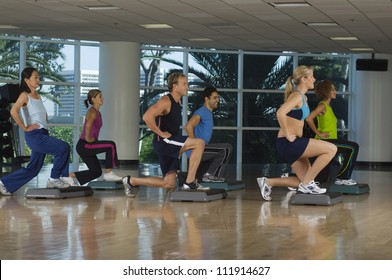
209, 178
265, 190
56, 183
3, 190
129, 189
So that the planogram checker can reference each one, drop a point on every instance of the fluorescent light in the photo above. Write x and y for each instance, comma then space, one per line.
199, 39
289, 4
224, 26
361, 49
344, 38
321, 23
7, 26
156, 25
101, 8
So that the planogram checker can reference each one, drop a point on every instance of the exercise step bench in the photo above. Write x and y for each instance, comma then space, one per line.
328, 198
344, 189
59, 193
105, 185
197, 195
227, 186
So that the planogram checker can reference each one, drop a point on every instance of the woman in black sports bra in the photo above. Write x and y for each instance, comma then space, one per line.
291, 145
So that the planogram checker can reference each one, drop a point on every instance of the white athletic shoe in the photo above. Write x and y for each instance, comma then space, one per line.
112, 177
3, 190
56, 183
349, 182
265, 190
311, 188
70, 181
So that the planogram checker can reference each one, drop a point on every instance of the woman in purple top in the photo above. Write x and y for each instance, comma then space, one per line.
89, 146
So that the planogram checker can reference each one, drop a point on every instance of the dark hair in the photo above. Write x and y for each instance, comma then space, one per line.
26, 74
323, 88
90, 95
207, 92
173, 79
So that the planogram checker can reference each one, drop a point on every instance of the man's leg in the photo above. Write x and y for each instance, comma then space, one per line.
197, 147
219, 154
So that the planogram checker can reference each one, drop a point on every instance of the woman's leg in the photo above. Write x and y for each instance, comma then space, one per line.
322, 150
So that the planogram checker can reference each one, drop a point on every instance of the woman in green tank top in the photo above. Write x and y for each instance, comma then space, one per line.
327, 130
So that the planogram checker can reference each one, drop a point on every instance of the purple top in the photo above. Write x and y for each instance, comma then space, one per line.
95, 128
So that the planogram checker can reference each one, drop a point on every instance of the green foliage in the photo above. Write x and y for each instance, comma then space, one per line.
63, 133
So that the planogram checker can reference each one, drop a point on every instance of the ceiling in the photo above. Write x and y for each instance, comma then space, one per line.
220, 24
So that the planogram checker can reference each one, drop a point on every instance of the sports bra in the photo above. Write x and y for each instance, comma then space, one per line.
300, 113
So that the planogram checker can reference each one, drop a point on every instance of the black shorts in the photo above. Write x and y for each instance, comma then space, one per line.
291, 151
168, 151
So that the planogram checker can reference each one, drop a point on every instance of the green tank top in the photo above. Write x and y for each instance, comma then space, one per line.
327, 122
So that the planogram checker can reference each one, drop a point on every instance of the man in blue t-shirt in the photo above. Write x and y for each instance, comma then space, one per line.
201, 126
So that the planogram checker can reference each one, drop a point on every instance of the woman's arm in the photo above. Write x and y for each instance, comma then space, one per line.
294, 100
22, 101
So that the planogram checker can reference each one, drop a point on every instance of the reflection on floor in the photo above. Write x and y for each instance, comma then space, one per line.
109, 225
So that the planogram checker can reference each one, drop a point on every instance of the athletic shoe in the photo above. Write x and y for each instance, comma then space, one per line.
311, 188
349, 182
209, 178
195, 185
70, 181
56, 183
112, 177
265, 190
3, 190
129, 189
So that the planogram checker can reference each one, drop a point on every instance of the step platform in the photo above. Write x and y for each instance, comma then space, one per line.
105, 185
227, 186
59, 193
197, 195
328, 198
355, 189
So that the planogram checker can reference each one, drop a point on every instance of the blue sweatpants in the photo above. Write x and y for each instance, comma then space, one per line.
40, 144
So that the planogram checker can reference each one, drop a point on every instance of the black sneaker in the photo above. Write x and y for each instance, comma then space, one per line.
190, 186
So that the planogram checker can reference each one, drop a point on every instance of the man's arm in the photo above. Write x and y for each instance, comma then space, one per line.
191, 124
161, 108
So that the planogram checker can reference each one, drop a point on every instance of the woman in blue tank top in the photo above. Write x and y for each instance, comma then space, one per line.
297, 150
37, 137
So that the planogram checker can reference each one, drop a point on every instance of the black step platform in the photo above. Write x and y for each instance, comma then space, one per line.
59, 193
227, 186
355, 189
197, 195
105, 185
328, 198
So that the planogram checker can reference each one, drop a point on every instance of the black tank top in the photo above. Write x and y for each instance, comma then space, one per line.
170, 122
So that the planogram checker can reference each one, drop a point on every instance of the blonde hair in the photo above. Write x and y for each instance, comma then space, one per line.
294, 80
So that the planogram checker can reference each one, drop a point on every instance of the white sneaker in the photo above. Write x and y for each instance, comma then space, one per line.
349, 182
265, 190
70, 181
111, 176
3, 190
56, 183
311, 188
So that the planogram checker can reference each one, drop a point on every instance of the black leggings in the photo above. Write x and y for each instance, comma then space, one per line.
88, 152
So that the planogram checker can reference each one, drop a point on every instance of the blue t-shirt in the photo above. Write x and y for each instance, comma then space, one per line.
205, 127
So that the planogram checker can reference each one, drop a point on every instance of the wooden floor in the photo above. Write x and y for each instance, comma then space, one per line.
111, 226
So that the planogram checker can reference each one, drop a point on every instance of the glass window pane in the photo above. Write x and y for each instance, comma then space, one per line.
146, 151
64, 133
59, 103
89, 58
331, 68
148, 98
213, 69
156, 64
266, 71
48, 58
260, 147
259, 109
9, 60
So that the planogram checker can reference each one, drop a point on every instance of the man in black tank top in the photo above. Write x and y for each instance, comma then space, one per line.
164, 119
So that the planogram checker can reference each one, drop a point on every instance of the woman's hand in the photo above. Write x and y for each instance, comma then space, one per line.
324, 135
32, 127
291, 137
